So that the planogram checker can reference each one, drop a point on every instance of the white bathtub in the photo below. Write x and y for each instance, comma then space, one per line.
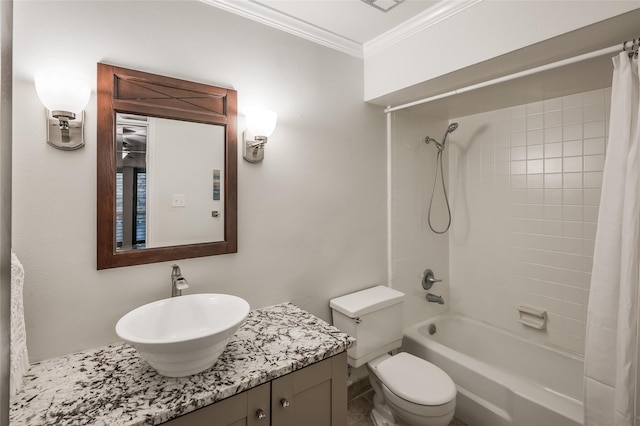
502, 379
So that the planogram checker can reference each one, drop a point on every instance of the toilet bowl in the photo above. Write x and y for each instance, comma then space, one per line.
408, 390
414, 391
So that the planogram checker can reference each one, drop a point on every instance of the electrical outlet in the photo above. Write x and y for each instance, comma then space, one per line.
178, 200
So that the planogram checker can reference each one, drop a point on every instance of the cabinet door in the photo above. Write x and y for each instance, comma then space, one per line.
249, 408
313, 396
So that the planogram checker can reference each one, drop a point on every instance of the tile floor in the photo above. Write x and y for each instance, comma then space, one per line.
360, 405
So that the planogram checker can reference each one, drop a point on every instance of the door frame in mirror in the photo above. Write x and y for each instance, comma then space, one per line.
121, 90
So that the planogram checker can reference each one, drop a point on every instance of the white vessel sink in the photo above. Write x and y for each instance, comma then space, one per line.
183, 335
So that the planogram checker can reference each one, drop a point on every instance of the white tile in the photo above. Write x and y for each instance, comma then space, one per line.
572, 101
575, 294
535, 152
574, 278
535, 108
572, 164
518, 153
552, 119
552, 227
589, 230
518, 196
593, 163
593, 97
533, 226
573, 213
535, 181
553, 134
552, 104
518, 111
535, 166
519, 181
535, 121
502, 168
553, 212
572, 115
572, 148
593, 179
588, 246
518, 124
518, 138
572, 132
535, 211
572, 229
594, 129
553, 196
594, 146
572, 245
594, 112
502, 154
573, 343
574, 311
592, 197
553, 165
553, 180
535, 137
553, 243
590, 213
518, 167
535, 196
572, 196
572, 180
553, 150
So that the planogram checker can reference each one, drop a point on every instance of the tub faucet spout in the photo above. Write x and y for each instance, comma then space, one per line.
435, 298
178, 282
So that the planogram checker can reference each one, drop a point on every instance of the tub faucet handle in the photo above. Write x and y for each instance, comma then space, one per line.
428, 279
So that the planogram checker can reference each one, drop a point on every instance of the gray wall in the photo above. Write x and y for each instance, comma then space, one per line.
312, 216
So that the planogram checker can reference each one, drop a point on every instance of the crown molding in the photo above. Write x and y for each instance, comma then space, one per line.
275, 19
267, 16
430, 17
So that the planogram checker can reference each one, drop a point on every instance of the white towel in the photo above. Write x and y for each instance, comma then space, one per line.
19, 354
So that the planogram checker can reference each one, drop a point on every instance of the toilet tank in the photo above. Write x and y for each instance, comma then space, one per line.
374, 317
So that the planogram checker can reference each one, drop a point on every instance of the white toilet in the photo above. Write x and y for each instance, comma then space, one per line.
408, 390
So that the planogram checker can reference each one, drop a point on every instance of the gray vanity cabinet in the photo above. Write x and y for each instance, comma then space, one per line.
312, 396
249, 408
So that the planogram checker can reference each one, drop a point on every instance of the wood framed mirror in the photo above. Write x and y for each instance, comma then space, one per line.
167, 168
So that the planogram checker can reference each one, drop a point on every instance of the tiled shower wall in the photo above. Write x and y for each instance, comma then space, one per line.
414, 248
525, 187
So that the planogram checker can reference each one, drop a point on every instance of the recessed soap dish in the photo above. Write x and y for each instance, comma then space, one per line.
533, 317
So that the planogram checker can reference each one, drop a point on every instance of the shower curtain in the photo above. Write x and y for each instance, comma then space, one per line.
611, 351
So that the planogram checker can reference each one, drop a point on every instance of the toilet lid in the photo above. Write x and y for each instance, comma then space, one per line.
416, 380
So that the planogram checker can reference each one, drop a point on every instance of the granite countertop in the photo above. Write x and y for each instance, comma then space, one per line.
113, 386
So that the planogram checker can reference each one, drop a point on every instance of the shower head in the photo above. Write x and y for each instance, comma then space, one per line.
440, 145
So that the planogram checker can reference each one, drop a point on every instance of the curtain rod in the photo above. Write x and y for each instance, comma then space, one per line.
514, 76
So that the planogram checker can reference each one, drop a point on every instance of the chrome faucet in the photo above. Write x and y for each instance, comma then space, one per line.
178, 282
435, 298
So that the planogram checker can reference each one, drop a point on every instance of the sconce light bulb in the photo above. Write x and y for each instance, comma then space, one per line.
62, 91
261, 122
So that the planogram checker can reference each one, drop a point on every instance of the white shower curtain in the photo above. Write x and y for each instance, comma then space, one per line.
611, 351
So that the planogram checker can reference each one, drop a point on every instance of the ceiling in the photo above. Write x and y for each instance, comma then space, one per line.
350, 26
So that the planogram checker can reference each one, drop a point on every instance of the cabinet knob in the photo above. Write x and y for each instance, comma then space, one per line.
284, 402
261, 414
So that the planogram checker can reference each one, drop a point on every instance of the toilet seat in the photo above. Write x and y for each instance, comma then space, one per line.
415, 380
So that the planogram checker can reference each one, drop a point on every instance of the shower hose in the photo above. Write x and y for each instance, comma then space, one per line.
444, 190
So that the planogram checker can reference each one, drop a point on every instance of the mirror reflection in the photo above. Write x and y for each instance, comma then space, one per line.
166, 168
169, 182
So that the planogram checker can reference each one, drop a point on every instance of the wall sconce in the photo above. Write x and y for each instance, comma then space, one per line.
260, 125
65, 96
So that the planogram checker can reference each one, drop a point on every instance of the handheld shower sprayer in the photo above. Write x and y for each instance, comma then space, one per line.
440, 145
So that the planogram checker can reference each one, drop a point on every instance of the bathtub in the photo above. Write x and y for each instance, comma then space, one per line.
502, 379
